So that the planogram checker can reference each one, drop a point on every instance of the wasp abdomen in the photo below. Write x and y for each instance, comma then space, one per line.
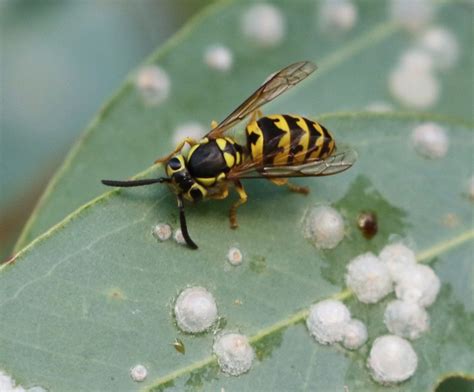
282, 139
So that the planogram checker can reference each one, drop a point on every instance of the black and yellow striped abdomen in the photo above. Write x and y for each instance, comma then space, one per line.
282, 139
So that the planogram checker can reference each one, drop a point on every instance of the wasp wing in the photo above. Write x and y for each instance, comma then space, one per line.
275, 85
335, 163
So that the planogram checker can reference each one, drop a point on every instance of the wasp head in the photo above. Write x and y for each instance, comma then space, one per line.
181, 180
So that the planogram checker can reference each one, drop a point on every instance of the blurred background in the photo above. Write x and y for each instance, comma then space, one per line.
50, 89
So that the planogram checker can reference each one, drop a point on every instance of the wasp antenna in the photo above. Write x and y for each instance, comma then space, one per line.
131, 183
184, 227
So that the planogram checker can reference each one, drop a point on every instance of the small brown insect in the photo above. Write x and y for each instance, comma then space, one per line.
179, 346
367, 224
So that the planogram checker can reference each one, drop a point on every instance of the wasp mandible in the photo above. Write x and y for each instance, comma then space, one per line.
277, 147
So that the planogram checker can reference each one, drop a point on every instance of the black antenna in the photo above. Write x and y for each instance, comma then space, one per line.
125, 184
184, 227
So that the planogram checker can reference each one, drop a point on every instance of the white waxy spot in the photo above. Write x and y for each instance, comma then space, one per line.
337, 16
379, 107
430, 140
418, 283
327, 321
234, 353
154, 84
416, 60
178, 237
355, 334
324, 226
397, 256
413, 15
8, 384
392, 360
419, 90
234, 256
264, 24
195, 310
406, 319
162, 231
138, 373
442, 45
470, 187
219, 57
191, 129
369, 278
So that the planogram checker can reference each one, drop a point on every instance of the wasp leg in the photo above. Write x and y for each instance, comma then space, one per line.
292, 187
180, 146
221, 193
233, 210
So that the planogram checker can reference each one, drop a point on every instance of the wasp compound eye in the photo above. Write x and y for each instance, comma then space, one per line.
174, 164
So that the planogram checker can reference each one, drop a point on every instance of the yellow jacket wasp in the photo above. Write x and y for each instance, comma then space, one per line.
277, 147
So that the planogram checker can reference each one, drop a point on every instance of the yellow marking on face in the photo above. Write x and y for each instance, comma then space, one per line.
170, 171
229, 160
238, 158
221, 143
221, 177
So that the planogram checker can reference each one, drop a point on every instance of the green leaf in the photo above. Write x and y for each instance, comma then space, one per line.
92, 297
126, 136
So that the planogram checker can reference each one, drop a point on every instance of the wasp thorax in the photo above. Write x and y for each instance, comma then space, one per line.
181, 180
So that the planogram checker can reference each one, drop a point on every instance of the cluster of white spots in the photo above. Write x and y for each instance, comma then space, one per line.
7, 383
195, 310
234, 353
406, 319
414, 15
337, 16
397, 256
138, 373
234, 256
413, 83
264, 24
327, 321
153, 84
324, 226
470, 187
416, 60
417, 283
368, 278
355, 334
392, 359
430, 140
219, 57
379, 107
178, 237
162, 231
191, 129
442, 45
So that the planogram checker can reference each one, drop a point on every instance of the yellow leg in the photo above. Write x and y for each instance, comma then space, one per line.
233, 210
213, 124
292, 187
222, 193
180, 146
